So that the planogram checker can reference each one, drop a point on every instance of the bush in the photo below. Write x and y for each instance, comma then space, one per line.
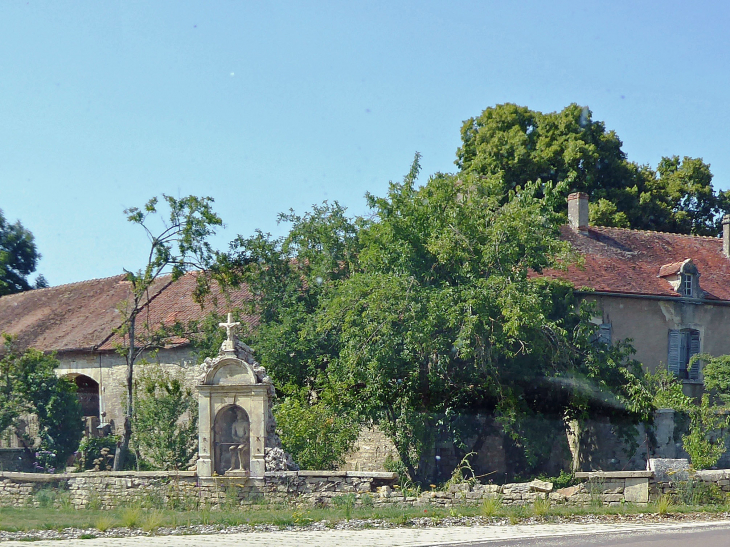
165, 419
91, 452
317, 436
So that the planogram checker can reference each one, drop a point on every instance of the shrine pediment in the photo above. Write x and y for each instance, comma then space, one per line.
231, 372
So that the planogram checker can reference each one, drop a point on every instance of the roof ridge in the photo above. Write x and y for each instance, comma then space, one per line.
41, 289
713, 238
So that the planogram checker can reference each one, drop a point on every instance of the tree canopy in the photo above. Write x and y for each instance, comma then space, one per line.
515, 145
430, 309
18, 258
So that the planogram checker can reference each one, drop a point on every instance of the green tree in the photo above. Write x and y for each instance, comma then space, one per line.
316, 435
18, 258
180, 245
29, 385
516, 145
165, 418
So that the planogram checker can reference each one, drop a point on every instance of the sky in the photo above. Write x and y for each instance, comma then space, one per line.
267, 106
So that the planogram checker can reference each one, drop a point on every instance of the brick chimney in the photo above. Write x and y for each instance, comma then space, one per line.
726, 235
578, 212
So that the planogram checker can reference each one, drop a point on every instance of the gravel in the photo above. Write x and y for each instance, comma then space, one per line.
355, 524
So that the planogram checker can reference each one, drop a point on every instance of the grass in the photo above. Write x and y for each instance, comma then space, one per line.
14, 519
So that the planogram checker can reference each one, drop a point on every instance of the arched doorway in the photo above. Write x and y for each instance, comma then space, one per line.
87, 391
232, 440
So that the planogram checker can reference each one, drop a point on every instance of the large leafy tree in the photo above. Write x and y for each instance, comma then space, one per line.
429, 310
18, 258
519, 145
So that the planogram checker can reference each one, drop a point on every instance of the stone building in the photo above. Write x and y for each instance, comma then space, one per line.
78, 322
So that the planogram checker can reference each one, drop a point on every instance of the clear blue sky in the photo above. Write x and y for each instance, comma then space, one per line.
267, 106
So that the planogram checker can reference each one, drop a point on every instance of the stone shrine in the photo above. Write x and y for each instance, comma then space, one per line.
236, 425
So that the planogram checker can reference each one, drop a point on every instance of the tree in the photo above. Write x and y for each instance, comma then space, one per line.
516, 145
429, 310
180, 246
18, 258
29, 385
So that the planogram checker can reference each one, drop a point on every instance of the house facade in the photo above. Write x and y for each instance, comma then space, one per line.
669, 294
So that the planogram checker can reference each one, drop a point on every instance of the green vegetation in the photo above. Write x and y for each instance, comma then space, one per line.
179, 246
18, 258
29, 385
26, 519
166, 419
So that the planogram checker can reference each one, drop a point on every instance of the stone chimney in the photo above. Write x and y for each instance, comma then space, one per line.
578, 211
726, 235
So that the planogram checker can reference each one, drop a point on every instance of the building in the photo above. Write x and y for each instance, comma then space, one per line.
668, 293
78, 321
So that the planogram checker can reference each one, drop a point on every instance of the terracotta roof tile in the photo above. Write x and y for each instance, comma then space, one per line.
82, 316
630, 261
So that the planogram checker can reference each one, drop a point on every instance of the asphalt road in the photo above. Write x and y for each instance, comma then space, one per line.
712, 536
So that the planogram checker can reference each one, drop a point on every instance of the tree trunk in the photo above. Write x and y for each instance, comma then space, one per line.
123, 446
574, 432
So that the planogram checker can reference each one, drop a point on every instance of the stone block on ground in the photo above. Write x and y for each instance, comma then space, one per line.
541, 486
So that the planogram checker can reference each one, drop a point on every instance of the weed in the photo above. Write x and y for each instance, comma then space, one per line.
94, 501
131, 517
664, 505
299, 517
491, 506
87, 536
45, 497
103, 523
366, 500
152, 521
541, 506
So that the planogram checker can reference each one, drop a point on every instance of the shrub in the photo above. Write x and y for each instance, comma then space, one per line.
165, 419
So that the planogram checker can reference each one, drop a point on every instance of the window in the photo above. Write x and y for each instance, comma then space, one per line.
686, 287
604, 334
683, 344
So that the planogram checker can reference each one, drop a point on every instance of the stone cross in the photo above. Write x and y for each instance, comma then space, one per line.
229, 326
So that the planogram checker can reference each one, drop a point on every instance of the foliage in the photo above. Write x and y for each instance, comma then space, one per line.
705, 442
515, 145
316, 435
166, 418
179, 246
18, 258
29, 385
91, 451
716, 375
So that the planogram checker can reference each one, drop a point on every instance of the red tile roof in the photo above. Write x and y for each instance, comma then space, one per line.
627, 261
82, 316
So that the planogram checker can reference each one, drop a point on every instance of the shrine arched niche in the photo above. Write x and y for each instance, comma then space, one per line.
232, 439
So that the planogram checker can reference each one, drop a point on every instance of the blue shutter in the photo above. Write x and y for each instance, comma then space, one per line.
694, 349
604, 333
673, 351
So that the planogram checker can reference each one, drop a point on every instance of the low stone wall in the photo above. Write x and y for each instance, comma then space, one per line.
185, 490
105, 490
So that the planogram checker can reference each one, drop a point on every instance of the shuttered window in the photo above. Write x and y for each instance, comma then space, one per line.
681, 346
604, 333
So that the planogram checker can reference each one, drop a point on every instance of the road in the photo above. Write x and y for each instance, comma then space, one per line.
704, 534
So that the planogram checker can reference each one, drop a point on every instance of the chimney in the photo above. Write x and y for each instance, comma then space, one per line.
726, 235
578, 211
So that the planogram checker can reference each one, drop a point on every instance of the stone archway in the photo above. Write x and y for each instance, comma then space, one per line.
87, 391
232, 440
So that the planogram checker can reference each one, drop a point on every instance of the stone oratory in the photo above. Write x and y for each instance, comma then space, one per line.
236, 428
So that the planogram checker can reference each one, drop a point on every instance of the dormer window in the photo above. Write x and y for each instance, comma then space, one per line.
683, 277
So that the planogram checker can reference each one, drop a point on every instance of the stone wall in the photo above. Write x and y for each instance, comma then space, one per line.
184, 490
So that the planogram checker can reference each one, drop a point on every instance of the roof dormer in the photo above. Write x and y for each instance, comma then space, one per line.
684, 277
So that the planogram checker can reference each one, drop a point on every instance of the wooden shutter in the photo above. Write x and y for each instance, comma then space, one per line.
674, 351
694, 348
604, 333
